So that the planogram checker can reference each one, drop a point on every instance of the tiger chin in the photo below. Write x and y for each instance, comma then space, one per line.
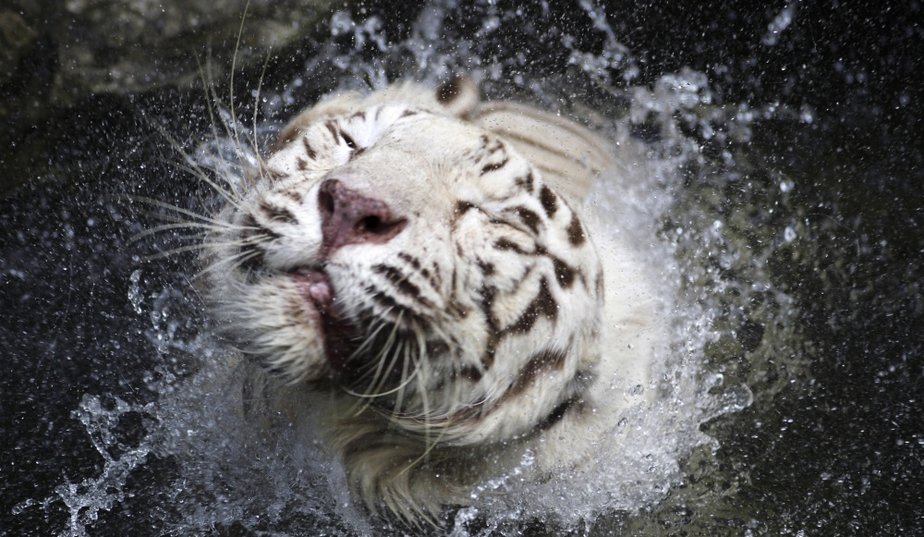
417, 271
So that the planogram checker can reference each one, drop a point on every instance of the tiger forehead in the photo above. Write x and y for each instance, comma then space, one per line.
417, 140
434, 136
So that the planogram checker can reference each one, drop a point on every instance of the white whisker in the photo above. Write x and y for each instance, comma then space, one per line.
256, 112
194, 247
194, 169
182, 225
180, 210
237, 46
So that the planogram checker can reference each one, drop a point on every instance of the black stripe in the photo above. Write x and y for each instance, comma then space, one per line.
462, 207
563, 272
293, 195
398, 279
411, 260
382, 299
526, 182
507, 244
575, 230
494, 166
544, 305
251, 222
402, 284
312, 154
548, 200
495, 334
541, 362
572, 404
332, 127
278, 214
529, 217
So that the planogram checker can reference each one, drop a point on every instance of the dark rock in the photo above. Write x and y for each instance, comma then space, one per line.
54, 55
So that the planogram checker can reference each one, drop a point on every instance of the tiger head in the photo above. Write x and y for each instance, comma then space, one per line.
423, 253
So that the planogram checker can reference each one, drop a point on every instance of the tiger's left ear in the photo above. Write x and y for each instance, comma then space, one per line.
569, 156
458, 96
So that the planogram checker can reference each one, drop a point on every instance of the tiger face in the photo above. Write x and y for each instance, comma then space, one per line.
394, 251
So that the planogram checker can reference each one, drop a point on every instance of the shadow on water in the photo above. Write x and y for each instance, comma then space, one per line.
797, 221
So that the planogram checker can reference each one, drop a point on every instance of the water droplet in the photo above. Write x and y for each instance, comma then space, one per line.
134, 291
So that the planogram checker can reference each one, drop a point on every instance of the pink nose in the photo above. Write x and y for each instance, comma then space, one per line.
348, 217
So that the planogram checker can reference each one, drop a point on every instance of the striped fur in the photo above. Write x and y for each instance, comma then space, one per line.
470, 330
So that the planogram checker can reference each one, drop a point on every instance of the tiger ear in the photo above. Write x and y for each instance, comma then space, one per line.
459, 96
569, 156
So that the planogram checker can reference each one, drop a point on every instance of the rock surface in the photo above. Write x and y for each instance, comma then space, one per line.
54, 54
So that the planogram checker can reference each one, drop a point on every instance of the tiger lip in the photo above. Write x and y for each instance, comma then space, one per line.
314, 285
338, 334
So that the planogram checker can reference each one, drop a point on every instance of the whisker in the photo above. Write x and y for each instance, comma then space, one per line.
191, 248
431, 445
380, 375
397, 389
240, 258
368, 340
248, 240
193, 168
256, 111
421, 364
180, 225
245, 259
374, 386
180, 210
237, 46
214, 103
378, 380
399, 400
208, 88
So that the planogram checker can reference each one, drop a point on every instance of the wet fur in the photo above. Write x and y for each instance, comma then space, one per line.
547, 365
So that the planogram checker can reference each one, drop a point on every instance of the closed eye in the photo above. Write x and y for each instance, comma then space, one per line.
349, 140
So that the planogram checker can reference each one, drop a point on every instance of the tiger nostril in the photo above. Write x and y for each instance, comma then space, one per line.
371, 224
350, 217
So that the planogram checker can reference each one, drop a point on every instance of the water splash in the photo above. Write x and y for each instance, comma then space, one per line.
231, 476
779, 24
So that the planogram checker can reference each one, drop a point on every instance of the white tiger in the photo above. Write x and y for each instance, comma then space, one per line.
419, 269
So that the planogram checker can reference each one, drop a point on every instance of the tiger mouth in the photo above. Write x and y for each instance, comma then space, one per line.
315, 287
340, 336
